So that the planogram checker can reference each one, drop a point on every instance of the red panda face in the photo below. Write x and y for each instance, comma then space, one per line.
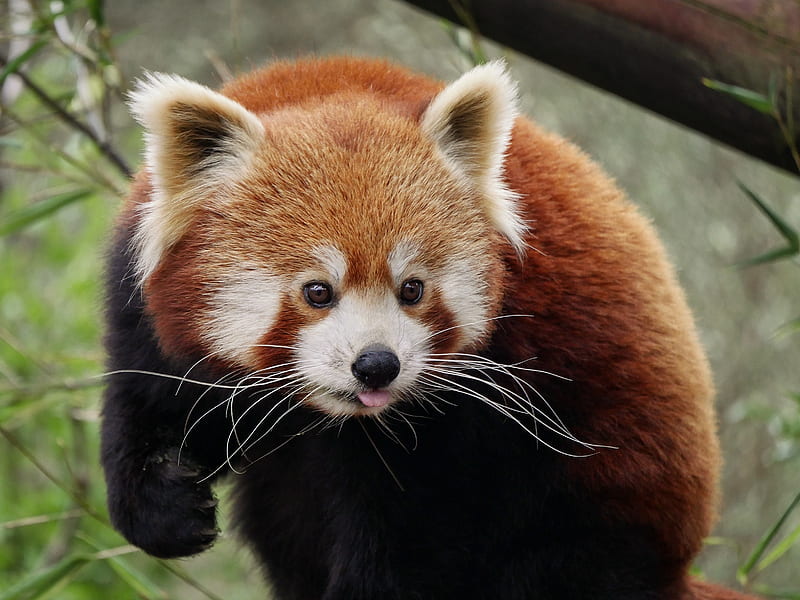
334, 248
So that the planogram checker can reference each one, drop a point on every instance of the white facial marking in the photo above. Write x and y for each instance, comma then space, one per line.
401, 260
463, 290
244, 307
461, 284
332, 261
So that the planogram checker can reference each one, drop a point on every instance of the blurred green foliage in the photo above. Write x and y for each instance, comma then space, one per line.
775, 543
61, 179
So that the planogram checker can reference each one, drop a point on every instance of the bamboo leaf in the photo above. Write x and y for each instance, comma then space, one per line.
773, 89
744, 571
16, 63
784, 228
95, 8
782, 548
789, 328
39, 210
756, 100
767, 257
39, 583
136, 580
787, 232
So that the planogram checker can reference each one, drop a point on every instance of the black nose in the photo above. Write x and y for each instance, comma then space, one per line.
376, 366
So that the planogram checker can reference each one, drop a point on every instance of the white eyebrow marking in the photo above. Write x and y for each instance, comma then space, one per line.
331, 260
401, 257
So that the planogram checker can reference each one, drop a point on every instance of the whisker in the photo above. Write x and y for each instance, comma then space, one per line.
407, 420
437, 380
383, 426
270, 392
478, 322
238, 389
513, 397
378, 452
482, 363
553, 423
291, 437
300, 402
168, 376
189, 370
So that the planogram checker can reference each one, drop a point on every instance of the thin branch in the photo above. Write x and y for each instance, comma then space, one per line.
757, 28
39, 388
180, 574
12, 439
94, 176
42, 519
105, 149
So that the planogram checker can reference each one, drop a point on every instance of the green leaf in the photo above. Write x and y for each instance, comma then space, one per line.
136, 580
39, 583
95, 8
782, 548
743, 573
767, 257
760, 102
787, 232
39, 210
773, 89
789, 328
15, 64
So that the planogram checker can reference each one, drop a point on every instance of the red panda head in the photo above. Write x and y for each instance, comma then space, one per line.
335, 245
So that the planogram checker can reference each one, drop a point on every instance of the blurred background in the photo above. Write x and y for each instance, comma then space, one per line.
60, 187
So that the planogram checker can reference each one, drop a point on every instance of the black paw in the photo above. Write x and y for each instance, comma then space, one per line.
165, 508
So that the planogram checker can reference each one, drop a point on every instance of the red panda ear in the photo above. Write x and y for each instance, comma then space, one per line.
197, 143
471, 122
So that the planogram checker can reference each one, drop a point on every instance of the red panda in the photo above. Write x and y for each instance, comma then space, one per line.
436, 349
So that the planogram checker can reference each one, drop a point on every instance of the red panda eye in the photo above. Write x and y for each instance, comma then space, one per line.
411, 291
318, 294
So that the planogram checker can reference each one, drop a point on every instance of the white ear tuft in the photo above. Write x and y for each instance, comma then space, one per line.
471, 122
197, 142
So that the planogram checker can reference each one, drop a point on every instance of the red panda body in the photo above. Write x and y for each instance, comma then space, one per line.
443, 354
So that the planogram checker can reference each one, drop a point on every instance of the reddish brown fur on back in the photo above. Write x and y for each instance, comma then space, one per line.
610, 316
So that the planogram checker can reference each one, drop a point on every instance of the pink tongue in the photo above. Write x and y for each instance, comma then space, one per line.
375, 398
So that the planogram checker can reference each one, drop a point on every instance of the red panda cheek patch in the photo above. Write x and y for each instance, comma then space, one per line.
243, 307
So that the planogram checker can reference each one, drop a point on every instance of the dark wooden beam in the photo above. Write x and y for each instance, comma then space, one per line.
657, 52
